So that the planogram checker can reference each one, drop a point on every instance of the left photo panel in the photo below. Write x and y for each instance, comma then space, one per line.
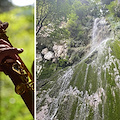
17, 60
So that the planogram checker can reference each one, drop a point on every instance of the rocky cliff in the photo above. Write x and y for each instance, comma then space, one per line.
89, 90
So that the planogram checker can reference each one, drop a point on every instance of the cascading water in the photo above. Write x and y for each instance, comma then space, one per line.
88, 91
101, 31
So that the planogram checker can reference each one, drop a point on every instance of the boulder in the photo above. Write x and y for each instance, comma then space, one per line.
49, 55
44, 51
60, 50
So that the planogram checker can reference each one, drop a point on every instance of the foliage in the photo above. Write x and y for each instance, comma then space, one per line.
114, 10
107, 1
50, 11
47, 70
80, 19
5, 5
50, 15
116, 49
60, 33
63, 63
80, 9
50, 68
76, 30
75, 16
20, 32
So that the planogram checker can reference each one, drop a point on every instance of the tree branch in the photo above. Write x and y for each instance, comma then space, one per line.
41, 24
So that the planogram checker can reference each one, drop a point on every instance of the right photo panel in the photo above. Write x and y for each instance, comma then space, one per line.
77, 59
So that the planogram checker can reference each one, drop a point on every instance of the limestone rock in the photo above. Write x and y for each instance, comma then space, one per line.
49, 55
39, 57
60, 50
44, 51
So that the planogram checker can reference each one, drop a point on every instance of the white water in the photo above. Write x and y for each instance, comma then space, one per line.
100, 36
62, 91
62, 84
101, 31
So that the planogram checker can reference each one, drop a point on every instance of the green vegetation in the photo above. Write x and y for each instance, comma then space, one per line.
114, 10
65, 20
5, 5
93, 91
112, 105
50, 68
20, 32
47, 70
78, 76
52, 11
116, 49
74, 106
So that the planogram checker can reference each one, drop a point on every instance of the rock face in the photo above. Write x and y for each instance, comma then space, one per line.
89, 90
44, 51
39, 57
49, 55
60, 50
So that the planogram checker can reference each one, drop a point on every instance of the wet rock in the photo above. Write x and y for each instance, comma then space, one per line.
92, 57
101, 31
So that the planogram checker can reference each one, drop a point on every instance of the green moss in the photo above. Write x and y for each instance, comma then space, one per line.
116, 49
91, 79
65, 108
109, 105
46, 85
101, 60
112, 104
103, 78
110, 79
111, 68
91, 114
117, 102
101, 110
78, 76
117, 65
48, 69
74, 106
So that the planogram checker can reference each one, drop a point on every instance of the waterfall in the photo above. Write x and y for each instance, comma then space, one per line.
89, 90
101, 32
